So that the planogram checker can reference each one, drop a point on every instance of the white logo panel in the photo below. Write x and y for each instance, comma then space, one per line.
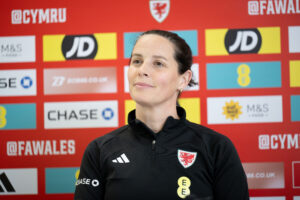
294, 39
85, 114
195, 70
254, 109
296, 197
126, 83
18, 82
17, 49
18, 181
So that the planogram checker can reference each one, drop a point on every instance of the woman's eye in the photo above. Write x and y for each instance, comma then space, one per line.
136, 61
158, 64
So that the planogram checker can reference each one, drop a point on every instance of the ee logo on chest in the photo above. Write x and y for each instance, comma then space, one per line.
184, 184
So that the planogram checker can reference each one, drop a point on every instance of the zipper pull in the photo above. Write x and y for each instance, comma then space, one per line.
153, 144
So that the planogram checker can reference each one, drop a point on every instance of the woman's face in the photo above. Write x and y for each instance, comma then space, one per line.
153, 73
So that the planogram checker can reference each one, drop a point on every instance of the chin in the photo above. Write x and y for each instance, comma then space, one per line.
142, 100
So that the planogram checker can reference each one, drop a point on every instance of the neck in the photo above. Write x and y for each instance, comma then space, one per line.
155, 116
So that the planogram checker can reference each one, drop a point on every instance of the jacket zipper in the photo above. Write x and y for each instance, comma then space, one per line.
153, 145
153, 150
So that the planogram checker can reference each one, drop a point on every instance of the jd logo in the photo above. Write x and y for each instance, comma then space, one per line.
6, 183
240, 41
79, 47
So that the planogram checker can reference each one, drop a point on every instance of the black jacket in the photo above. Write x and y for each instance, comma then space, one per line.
183, 160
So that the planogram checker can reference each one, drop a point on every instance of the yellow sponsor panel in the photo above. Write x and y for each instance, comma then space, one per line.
3, 120
214, 42
52, 48
192, 108
270, 40
107, 46
77, 174
295, 73
106, 42
129, 106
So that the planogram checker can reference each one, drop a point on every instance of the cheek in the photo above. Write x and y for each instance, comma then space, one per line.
130, 74
167, 80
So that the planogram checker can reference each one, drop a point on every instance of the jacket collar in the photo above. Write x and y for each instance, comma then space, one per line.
169, 125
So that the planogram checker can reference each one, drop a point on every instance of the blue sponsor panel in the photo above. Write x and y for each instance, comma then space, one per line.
17, 116
295, 108
243, 75
61, 180
190, 36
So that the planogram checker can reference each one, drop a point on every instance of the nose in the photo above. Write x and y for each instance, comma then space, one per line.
143, 70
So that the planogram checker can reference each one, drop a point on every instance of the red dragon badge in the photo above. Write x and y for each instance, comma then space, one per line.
186, 158
159, 9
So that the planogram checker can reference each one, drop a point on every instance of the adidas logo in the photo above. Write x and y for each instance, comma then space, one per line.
6, 183
122, 159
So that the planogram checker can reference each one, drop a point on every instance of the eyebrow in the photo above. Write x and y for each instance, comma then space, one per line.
155, 56
161, 57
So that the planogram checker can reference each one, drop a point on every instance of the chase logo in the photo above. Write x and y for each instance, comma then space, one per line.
18, 82
18, 181
26, 82
17, 116
107, 113
61, 180
85, 114
242, 41
243, 75
99, 46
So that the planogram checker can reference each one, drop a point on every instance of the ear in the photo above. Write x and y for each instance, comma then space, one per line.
185, 79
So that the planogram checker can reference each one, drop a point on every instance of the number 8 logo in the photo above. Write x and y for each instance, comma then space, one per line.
243, 79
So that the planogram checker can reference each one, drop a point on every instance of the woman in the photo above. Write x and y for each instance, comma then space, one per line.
161, 155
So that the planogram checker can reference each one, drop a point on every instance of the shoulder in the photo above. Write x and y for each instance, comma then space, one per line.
219, 147
208, 135
216, 144
98, 143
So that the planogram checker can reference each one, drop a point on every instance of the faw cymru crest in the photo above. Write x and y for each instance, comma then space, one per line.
159, 9
186, 158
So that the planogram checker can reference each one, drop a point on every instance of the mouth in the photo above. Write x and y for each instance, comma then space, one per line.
143, 85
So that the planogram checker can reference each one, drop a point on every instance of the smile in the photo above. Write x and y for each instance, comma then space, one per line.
142, 85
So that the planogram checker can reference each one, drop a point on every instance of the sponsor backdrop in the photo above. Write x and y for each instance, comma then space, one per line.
63, 68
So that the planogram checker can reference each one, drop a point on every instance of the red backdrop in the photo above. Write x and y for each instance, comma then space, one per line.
119, 17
